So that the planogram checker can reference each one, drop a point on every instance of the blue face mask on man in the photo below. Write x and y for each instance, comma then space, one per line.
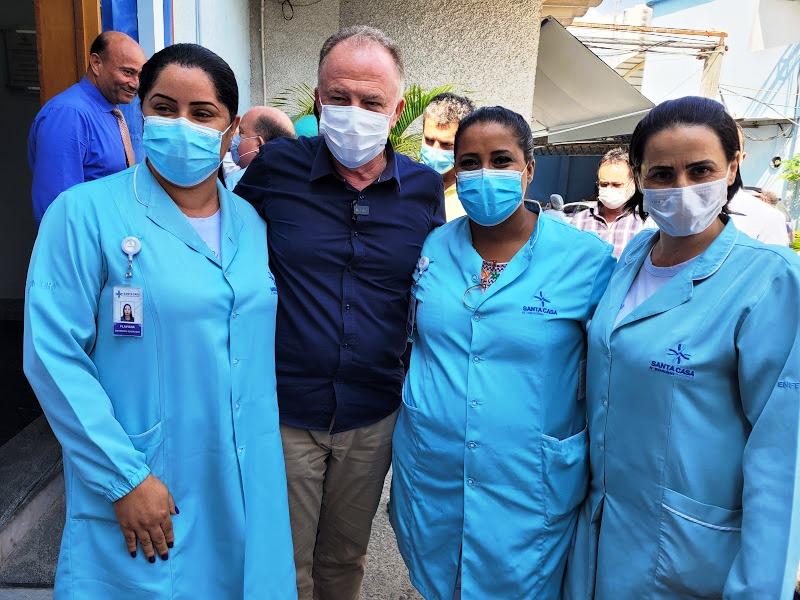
183, 153
437, 159
489, 196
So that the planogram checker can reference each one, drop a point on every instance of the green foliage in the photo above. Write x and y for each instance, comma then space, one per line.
298, 101
791, 169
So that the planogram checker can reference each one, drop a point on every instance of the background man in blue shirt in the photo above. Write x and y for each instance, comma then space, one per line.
346, 220
80, 134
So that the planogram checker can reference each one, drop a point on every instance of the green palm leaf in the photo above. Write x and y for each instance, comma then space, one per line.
298, 101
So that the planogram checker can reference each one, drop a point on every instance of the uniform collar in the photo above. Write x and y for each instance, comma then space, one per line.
95, 95
707, 263
323, 164
165, 213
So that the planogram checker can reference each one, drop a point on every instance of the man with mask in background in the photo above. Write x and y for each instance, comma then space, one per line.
259, 125
613, 219
346, 218
439, 125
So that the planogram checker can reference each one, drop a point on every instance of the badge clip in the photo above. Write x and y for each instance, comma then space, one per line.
131, 246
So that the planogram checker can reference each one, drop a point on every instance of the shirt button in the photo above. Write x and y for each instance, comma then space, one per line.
476, 359
346, 346
471, 482
228, 273
605, 402
238, 405
236, 314
476, 317
347, 307
475, 279
472, 445
235, 361
474, 403
602, 447
355, 234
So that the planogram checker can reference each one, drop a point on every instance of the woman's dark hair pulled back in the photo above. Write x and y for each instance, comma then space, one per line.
193, 56
502, 116
687, 111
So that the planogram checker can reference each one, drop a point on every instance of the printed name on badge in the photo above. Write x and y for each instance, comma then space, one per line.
127, 311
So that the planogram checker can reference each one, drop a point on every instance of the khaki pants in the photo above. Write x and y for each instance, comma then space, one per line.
335, 483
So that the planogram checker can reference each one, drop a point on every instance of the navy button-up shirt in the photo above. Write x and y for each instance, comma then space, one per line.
342, 261
74, 138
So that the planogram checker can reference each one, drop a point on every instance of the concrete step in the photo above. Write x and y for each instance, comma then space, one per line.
31, 506
33, 561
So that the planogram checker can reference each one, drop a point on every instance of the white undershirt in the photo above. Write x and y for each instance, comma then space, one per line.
210, 231
648, 281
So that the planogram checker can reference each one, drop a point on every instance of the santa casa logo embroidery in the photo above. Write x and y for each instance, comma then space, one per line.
675, 367
543, 308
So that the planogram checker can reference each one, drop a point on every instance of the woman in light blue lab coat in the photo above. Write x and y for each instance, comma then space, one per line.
693, 387
178, 406
490, 450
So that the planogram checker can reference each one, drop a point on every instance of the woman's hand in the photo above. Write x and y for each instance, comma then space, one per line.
145, 514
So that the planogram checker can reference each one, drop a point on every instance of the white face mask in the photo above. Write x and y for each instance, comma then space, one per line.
612, 198
688, 210
354, 136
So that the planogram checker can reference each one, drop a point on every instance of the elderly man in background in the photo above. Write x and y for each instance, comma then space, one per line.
347, 217
439, 125
752, 216
258, 126
81, 134
612, 219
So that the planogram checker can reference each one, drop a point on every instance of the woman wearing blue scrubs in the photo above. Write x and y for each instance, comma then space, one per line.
490, 449
178, 405
693, 387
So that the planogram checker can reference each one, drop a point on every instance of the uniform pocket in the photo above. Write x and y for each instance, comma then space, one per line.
89, 505
565, 467
150, 443
698, 544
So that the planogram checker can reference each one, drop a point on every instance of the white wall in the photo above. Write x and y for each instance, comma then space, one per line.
746, 72
486, 48
222, 26
292, 46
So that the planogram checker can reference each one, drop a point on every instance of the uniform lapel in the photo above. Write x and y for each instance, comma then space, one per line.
679, 290
516, 267
162, 211
231, 225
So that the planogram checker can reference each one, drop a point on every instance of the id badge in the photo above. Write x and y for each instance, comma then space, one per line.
128, 311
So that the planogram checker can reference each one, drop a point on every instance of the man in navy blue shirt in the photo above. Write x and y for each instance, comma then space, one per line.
80, 134
347, 217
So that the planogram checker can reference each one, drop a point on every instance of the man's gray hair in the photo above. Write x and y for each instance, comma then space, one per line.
616, 155
447, 108
359, 35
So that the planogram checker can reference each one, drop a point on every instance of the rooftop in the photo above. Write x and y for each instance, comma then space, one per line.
567, 10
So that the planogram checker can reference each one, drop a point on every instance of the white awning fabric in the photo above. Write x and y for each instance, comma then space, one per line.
577, 96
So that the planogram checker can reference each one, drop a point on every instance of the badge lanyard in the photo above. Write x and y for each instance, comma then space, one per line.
127, 302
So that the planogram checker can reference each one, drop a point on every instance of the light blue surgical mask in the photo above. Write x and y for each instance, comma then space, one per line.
183, 153
237, 139
489, 196
235, 148
437, 159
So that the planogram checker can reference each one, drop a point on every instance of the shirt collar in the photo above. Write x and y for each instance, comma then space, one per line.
595, 212
95, 95
323, 164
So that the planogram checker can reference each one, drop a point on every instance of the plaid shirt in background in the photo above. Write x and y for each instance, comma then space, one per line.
619, 233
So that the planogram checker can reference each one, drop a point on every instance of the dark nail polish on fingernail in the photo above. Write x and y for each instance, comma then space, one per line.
170, 544
164, 556
151, 559
133, 554
177, 510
